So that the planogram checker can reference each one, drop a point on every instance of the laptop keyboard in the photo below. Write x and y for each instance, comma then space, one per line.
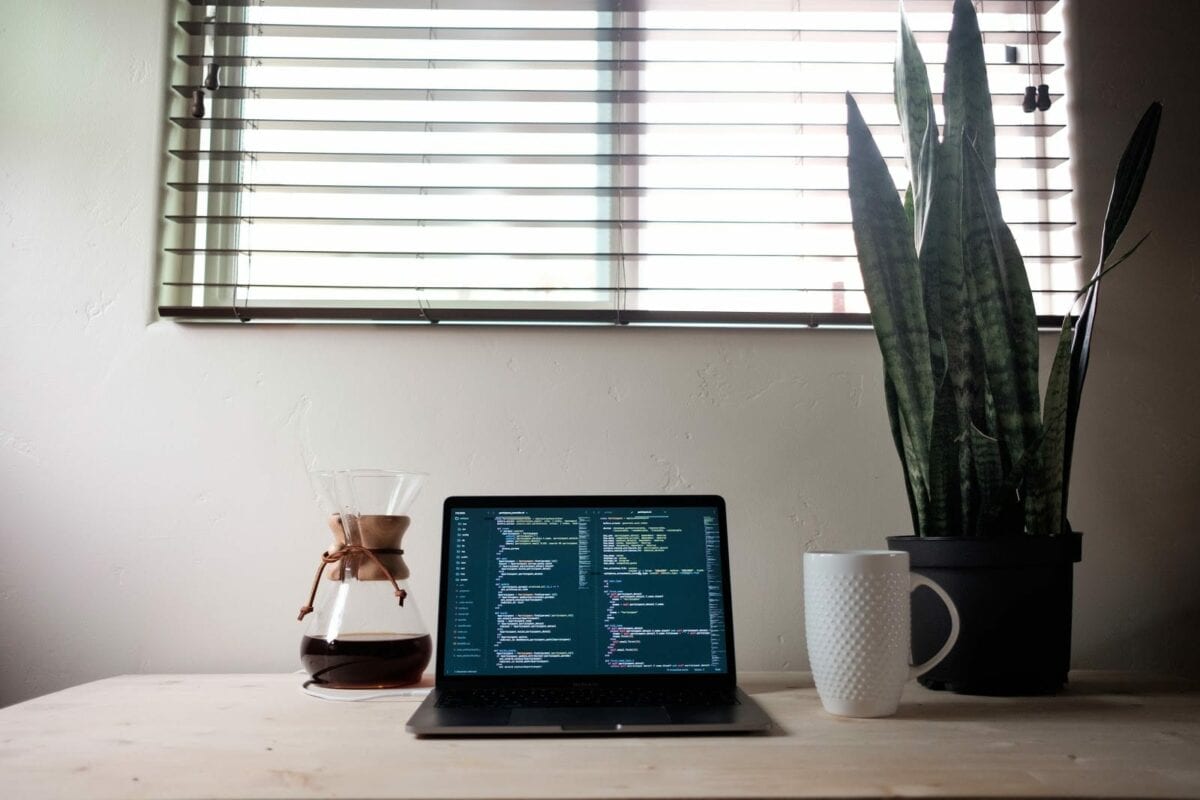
584, 697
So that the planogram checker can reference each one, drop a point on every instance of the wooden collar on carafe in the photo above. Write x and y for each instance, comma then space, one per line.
377, 558
379, 533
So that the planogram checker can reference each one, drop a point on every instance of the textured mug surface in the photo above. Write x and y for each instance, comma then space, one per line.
856, 618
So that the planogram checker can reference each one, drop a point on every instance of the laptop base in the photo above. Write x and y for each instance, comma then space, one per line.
745, 716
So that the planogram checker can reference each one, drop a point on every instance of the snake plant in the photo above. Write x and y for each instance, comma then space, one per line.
953, 312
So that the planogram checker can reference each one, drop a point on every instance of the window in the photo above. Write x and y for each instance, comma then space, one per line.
565, 160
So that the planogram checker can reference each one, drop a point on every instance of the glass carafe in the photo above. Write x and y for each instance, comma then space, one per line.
364, 629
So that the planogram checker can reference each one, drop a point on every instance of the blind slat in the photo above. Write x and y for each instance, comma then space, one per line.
1041, 225
553, 191
597, 65
913, 6
1037, 162
601, 96
402, 126
444, 34
601, 256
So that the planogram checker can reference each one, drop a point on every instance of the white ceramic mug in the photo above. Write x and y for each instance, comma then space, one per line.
856, 617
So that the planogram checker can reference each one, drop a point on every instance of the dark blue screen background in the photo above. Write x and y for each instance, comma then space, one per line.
584, 591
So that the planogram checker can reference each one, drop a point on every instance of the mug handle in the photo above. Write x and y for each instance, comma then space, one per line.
921, 669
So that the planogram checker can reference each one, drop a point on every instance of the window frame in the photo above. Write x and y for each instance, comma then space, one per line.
219, 297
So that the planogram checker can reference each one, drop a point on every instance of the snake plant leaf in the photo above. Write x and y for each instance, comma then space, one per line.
1131, 174
959, 399
1004, 513
1110, 266
966, 97
1127, 186
945, 515
918, 125
1081, 347
936, 257
1067, 374
1004, 315
1044, 514
913, 480
893, 283
1048, 487
988, 469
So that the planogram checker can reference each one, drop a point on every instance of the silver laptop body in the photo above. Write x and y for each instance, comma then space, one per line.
585, 615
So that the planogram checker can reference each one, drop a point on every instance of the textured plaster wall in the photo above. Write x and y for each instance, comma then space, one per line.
156, 516
1137, 471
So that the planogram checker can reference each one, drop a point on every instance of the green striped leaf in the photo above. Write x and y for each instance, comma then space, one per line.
966, 97
893, 284
1005, 512
1044, 514
946, 515
913, 480
918, 125
988, 470
1076, 370
959, 399
968, 108
1004, 315
1131, 174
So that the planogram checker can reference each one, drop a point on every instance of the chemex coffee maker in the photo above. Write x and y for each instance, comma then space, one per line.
364, 629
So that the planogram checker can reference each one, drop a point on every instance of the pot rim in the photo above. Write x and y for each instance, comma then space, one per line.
1009, 551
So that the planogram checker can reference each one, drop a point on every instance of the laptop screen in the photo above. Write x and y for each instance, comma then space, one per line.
599, 586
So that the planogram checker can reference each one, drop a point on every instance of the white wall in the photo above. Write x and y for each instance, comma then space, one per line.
156, 516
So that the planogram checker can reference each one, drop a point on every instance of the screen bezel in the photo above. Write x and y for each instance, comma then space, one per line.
520, 502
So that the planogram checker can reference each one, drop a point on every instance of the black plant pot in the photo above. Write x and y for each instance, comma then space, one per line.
1014, 601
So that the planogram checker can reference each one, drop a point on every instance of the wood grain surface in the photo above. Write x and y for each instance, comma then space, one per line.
259, 736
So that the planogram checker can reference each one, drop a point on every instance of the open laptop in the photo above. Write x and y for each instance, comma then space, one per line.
585, 615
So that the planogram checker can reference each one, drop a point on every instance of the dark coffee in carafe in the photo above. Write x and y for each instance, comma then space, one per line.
365, 660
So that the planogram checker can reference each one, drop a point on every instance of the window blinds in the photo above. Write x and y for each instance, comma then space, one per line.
565, 160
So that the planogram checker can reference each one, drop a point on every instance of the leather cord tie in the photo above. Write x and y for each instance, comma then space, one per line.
346, 551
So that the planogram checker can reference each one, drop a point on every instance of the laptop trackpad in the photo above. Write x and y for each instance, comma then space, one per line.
590, 717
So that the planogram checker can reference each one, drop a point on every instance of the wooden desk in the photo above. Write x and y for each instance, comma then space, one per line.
241, 736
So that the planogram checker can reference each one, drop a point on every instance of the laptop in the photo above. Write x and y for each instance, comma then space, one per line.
585, 615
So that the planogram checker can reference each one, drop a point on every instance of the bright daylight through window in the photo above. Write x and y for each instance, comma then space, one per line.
566, 160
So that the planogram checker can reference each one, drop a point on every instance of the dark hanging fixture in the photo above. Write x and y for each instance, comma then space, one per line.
1043, 97
1030, 102
196, 107
212, 80
1037, 98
